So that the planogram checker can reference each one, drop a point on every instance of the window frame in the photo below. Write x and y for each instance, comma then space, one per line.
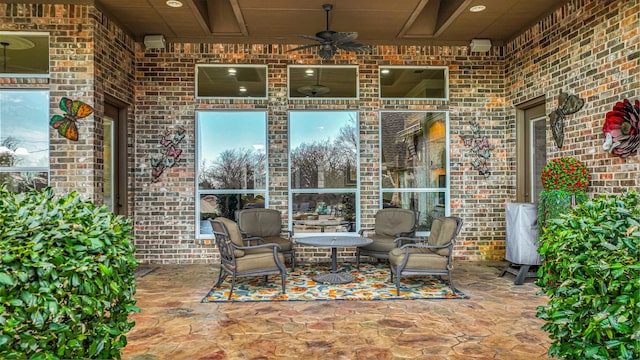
199, 192
445, 70
423, 190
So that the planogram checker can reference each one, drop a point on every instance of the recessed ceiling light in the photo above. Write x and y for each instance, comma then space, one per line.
308, 72
174, 3
243, 89
477, 8
384, 71
231, 71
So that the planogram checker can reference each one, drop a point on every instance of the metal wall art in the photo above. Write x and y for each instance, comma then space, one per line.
622, 129
66, 123
567, 104
480, 149
169, 152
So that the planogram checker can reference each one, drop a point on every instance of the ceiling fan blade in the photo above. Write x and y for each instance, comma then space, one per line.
311, 37
355, 47
304, 47
343, 37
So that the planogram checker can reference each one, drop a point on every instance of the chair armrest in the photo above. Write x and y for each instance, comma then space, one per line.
361, 232
257, 246
411, 240
258, 240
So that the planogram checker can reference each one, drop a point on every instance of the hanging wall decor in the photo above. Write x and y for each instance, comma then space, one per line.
622, 129
567, 104
66, 123
169, 153
480, 149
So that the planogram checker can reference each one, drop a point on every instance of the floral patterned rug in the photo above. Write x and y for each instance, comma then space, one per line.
371, 283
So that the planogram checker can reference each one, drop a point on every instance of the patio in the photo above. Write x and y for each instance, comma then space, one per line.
497, 322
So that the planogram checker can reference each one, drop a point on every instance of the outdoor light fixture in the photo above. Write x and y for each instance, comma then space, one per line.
480, 45
477, 8
174, 3
154, 42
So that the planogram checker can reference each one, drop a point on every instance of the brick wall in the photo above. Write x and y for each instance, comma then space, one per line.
588, 48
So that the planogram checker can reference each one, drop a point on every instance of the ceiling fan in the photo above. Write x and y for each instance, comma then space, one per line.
331, 41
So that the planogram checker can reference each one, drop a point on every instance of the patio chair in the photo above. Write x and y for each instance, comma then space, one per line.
266, 224
426, 256
237, 259
390, 223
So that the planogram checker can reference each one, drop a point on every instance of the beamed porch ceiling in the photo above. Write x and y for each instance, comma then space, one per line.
378, 22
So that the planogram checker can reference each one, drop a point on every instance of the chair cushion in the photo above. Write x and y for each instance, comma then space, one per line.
258, 261
381, 243
419, 258
285, 244
392, 221
260, 222
234, 234
443, 230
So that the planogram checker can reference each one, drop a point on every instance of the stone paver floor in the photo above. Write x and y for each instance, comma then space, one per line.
497, 322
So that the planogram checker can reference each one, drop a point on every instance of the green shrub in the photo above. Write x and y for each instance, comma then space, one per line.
66, 278
591, 273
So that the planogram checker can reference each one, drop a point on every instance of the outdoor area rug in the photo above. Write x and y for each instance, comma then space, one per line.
371, 283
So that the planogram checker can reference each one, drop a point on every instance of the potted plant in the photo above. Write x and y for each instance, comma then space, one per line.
565, 181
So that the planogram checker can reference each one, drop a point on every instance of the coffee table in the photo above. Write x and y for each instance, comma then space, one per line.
334, 242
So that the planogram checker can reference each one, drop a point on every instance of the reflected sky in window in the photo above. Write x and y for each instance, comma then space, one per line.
24, 126
315, 126
226, 130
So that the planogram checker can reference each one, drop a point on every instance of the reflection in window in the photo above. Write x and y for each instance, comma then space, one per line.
231, 81
323, 170
24, 145
414, 82
415, 162
24, 53
323, 81
232, 163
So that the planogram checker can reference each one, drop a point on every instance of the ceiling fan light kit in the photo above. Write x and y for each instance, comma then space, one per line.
329, 42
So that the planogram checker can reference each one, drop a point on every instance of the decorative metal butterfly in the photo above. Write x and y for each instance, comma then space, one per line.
567, 104
66, 123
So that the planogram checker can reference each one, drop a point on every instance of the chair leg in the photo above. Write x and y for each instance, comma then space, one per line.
283, 275
293, 260
451, 282
398, 283
221, 276
233, 283
358, 259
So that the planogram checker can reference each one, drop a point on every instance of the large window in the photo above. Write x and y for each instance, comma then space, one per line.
231, 81
323, 171
232, 164
24, 54
414, 82
314, 82
24, 139
415, 163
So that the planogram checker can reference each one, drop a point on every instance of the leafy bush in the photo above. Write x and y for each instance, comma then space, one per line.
591, 272
67, 278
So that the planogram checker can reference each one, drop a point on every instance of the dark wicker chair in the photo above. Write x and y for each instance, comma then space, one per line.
238, 259
426, 256
267, 224
390, 223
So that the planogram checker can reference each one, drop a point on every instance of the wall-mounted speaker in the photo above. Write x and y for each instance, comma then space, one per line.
154, 42
480, 45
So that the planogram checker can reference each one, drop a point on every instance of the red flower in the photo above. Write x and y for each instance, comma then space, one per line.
565, 173
622, 129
